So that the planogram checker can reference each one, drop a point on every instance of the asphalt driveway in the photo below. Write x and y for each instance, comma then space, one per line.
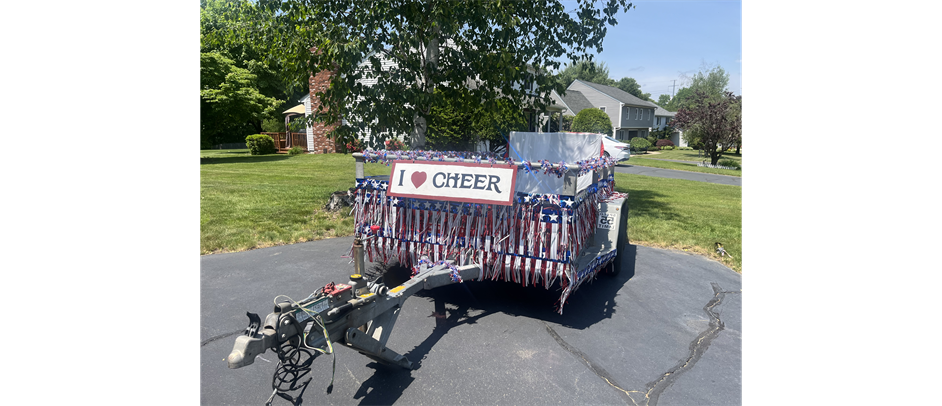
666, 331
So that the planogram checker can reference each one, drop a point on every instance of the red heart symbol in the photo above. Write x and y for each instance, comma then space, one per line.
418, 178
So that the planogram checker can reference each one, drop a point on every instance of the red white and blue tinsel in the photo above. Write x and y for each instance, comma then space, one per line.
533, 242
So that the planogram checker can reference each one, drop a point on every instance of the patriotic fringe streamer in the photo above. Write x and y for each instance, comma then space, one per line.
534, 242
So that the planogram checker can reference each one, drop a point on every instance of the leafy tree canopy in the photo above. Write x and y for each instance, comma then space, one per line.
586, 70
712, 122
483, 50
631, 86
460, 123
231, 106
663, 100
253, 83
712, 81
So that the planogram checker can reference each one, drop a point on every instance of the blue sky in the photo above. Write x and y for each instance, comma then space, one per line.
657, 42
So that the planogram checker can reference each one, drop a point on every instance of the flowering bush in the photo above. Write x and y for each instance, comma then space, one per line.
354, 146
664, 143
395, 144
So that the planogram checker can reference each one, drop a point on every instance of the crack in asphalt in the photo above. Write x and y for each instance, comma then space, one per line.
697, 347
596, 369
221, 336
655, 388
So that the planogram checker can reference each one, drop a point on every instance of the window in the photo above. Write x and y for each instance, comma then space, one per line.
602, 108
637, 114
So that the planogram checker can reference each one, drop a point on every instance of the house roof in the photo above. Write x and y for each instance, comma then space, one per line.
659, 111
574, 101
618, 94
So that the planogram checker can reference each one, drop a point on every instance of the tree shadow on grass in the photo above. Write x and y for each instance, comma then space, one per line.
643, 202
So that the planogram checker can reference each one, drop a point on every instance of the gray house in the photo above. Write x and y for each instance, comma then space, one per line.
661, 119
631, 117
573, 101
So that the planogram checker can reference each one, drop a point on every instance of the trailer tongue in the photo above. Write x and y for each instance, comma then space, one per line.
450, 217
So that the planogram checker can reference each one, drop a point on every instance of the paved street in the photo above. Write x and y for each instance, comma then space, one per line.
666, 331
627, 167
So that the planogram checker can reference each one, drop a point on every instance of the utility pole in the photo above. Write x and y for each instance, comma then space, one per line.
672, 88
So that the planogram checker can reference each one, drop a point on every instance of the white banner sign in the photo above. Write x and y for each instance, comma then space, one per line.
454, 181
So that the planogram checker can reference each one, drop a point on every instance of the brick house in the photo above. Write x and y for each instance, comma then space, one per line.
317, 140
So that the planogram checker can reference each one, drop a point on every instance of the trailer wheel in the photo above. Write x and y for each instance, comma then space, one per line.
393, 274
622, 239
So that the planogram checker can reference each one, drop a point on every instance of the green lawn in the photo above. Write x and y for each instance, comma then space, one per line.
251, 202
258, 201
653, 160
684, 215
687, 155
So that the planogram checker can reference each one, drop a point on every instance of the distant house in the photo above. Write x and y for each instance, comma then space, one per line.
662, 118
631, 117
573, 101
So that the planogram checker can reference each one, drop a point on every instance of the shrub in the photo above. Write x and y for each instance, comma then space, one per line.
730, 163
260, 144
592, 121
664, 143
639, 144
295, 150
685, 148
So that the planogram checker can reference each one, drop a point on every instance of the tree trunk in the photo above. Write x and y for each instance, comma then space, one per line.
714, 152
419, 130
431, 67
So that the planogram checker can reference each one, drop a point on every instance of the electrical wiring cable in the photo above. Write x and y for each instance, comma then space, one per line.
303, 345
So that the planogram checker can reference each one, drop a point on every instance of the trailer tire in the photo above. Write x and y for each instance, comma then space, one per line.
622, 239
393, 274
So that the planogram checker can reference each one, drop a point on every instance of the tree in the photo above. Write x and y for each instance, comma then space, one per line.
631, 86
663, 100
483, 50
710, 80
592, 121
256, 79
460, 123
735, 112
231, 106
712, 123
680, 99
585, 70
